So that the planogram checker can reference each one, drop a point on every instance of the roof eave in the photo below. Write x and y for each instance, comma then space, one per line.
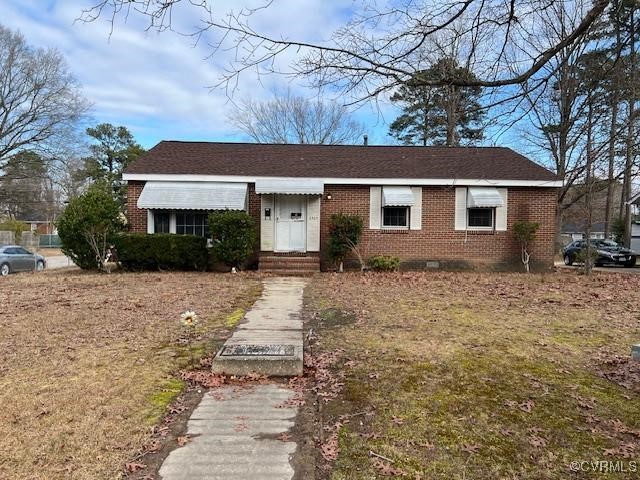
551, 183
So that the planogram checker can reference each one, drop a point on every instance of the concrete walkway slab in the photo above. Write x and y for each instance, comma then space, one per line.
274, 324
232, 437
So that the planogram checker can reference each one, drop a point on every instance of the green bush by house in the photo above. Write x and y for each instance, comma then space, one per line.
344, 234
384, 263
161, 251
233, 236
88, 225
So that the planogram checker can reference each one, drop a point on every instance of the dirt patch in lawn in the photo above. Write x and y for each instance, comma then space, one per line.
88, 363
483, 376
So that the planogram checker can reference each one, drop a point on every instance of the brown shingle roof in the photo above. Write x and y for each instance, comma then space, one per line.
338, 161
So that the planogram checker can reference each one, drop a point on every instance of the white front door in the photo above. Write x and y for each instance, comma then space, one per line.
290, 223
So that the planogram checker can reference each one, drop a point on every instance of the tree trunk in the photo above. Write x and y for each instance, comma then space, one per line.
588, 261
630, 134
614, 124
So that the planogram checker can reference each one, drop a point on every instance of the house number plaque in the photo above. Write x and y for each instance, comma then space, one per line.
258, 350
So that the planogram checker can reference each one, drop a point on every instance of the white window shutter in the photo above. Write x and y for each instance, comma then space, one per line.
266, 224
416, 210
375, 207
461, 209
501, 212
313, 224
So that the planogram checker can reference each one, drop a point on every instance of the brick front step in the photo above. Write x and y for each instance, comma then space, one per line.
289, 264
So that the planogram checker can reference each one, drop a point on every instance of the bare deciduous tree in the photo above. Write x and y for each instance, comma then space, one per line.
293, 119
380, 47
39, 98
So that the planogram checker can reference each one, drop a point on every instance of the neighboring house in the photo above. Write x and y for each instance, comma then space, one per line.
431, 206
570, 231
635, 237
42, 227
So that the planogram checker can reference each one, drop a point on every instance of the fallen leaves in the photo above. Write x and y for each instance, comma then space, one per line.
134, 467
626, 450
284, 437
182, 440
470, 447
386, 469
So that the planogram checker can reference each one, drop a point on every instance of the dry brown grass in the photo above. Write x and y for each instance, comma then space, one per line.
86, 363
482, 376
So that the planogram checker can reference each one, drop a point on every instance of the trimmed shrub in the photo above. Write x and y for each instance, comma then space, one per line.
161, 251
384, 263
88, 225
344, 234
233, 236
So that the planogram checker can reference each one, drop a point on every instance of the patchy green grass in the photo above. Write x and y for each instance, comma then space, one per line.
167, 392
481, 376
234, 318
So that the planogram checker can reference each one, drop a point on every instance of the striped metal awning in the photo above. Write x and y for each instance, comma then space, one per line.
292, 186
397, 196
193, 196
484, 197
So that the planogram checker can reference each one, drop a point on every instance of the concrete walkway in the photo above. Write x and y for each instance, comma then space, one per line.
268, 340
233, 437
235, 433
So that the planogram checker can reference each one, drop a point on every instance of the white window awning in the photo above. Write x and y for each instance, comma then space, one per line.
293, 186
397, 196
484, 197
193, 196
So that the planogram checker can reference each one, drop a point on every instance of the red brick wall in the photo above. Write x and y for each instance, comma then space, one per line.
137, 217
437, 240
254, 206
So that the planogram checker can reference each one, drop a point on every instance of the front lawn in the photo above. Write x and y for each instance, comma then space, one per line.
480, 376
87, 363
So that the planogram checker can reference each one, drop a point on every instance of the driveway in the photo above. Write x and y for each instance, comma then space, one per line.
59, 261
632, 271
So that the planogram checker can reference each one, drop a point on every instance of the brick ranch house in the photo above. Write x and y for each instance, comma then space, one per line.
431, 206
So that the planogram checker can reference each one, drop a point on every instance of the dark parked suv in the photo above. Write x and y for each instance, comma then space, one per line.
607, 252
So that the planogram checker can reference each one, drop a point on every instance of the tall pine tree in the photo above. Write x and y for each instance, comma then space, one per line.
449, 115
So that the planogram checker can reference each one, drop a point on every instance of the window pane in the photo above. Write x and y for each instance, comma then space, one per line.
161, 221
192, 223
394, 216
481, 217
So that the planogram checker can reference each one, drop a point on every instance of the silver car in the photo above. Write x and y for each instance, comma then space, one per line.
14, 258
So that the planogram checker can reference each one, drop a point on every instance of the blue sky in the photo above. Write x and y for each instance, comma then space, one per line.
157, 85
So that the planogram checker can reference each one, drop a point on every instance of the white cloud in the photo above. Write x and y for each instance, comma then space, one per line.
156, 84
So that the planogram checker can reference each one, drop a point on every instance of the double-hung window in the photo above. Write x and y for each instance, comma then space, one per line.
395, 217
481, 207
481, 217
396, 207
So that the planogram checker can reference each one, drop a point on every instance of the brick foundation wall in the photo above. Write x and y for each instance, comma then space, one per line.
136, 217
437, 240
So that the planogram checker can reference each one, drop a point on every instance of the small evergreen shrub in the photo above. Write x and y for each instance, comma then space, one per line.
233, 236
88, 225
161, 251
384, 263
344, 234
